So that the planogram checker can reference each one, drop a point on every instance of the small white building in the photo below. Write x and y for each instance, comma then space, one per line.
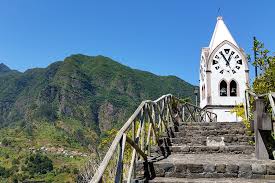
224, 74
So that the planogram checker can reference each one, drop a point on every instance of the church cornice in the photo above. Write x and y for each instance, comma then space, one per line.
219, 106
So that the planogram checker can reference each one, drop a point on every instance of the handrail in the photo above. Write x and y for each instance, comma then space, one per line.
115, 143
153, 119
270, 96
262, 122
196, 114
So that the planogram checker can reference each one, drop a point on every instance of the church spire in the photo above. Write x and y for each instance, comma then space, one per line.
221, 33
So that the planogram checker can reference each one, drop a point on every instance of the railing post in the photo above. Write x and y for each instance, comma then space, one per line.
183, 114
153, 119
202, 115
148, 145
271, 101
119, 170
132, 168
247, 105
134, 140
153, 123
259, 128
271, 97
142, 129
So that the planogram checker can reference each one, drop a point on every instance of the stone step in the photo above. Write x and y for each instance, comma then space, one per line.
216, 124
225, 139
233, 149
204, 133
210, 180
210, 127
214, 166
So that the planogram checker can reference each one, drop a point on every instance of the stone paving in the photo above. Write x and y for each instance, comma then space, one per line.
214, 165
225, 180
211, 152
215, 158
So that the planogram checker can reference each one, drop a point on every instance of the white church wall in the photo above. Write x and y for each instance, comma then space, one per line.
225, 115
217, 77
203, 93
203, 101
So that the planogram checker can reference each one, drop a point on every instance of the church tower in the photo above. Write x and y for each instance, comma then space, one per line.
224, 74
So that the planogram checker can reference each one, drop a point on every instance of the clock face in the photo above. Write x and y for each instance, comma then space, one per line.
227, 60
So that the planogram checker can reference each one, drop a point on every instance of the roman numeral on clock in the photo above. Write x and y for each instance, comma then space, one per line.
240, 62
226, 51
217, 67
238, 67
221, 71
215, 62
233, 71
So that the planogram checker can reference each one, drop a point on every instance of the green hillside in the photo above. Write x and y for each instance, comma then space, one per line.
97, 91
65, 109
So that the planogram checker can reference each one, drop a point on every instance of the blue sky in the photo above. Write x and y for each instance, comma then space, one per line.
161, 36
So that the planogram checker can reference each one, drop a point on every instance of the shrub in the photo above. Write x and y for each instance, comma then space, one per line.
47, 111
4, 172
38, 163
15, 162
6, 142
239, 110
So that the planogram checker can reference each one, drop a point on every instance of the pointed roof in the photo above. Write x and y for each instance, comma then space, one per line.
221, 33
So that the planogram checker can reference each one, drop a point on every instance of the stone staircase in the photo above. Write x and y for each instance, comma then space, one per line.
210, 152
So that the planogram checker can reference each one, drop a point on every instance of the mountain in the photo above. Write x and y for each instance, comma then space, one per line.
97, 91
68, 113
4, 68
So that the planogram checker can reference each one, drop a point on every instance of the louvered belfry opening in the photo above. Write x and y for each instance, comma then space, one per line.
223, 88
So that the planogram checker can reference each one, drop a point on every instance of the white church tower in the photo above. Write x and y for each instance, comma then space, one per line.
224, 74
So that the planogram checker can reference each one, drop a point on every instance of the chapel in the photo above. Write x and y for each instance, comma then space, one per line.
224, 74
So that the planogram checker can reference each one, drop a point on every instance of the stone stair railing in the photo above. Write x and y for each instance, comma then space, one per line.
143, 130
262, 124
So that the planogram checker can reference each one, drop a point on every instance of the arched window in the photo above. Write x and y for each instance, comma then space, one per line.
233, 88
223, 88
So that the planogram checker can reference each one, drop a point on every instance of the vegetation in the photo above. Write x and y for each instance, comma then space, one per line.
239, 110
20, 157
262, 84
97, 91
61, 116
266, 63
38, 163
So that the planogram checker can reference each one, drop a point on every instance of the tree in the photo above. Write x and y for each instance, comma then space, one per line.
6, 142
265, 82
38, 163
87, 172
4, 172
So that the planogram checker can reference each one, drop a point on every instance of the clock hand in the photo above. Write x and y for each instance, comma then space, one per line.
232, 53
227, 63
229, 58
229, 67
